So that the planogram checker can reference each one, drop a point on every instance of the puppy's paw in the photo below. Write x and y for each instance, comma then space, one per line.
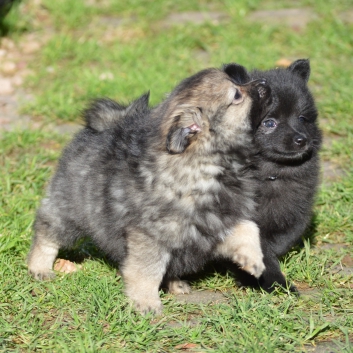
178, 287
250, 261
149, 305
42, 275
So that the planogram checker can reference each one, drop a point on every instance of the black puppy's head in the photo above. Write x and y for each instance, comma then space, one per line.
288, 133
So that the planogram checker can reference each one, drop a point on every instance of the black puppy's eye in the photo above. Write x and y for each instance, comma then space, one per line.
270, 123
237, 95
302, 119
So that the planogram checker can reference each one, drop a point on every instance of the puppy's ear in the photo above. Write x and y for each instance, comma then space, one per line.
263, 90
237, 73
264, 102
140, 105
301, 68
182, 130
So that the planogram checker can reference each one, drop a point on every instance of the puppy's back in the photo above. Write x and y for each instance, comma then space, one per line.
104, 113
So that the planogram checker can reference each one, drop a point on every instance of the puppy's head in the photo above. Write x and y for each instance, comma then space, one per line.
288, 133
212, 109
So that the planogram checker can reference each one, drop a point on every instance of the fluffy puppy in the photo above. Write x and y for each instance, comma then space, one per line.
161, 191
286, 166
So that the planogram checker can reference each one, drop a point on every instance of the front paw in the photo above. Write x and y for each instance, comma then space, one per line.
148, 305
271, 286
251, 263
42, 275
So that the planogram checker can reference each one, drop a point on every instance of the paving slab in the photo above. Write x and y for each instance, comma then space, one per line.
194, 17
296, 18
202, 297
346, 16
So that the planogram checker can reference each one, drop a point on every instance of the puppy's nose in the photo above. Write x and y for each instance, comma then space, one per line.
300, 140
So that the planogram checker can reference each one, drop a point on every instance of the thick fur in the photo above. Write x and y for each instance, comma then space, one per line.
162, 190
287, 166
104, 112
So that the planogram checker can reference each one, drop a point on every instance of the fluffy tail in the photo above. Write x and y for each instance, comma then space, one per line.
104, 113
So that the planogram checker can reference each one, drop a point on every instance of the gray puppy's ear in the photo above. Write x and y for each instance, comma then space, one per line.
185, 125
301, 68
237, 73
178, 138
140, 105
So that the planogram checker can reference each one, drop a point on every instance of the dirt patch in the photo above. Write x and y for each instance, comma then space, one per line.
342, 270
297, 19
192, 321
331, 172
346, 16
329, 246
10, 118
193, 17
201, 297
312, 295
324, 347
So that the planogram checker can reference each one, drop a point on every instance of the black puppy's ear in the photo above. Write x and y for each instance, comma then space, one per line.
260, 110
301, 68
237, 73
263, 89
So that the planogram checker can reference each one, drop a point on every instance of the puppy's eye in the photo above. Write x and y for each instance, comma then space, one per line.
237, 95
302, 119
269, 123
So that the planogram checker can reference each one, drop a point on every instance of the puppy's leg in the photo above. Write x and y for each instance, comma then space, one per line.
243, 247
273, 275
177, 286
43, 253
143, 271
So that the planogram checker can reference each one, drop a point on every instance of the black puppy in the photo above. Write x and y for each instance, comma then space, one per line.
287, 166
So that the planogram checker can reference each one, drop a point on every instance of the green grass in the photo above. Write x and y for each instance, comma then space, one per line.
84, 58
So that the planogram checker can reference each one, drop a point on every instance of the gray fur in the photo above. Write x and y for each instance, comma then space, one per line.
150, 210
103, 113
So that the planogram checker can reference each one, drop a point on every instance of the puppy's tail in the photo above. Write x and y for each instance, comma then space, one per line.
104, 113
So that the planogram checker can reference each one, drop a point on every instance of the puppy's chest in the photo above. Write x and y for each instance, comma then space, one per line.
188, 182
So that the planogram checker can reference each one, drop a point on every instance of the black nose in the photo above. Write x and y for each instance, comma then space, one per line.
300, 140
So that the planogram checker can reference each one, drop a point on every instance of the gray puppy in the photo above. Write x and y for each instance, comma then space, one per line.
161, 192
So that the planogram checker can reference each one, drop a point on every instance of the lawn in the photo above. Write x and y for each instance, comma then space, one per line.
120, 50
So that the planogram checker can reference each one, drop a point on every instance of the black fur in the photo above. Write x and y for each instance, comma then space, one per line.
287, 166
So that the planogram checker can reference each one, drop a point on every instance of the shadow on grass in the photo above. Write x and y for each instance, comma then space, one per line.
85, 249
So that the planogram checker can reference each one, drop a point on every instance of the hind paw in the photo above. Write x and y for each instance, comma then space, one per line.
178, 287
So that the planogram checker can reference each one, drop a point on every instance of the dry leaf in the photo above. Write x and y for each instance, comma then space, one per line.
347, 261
65, 266
283, 62
186, 346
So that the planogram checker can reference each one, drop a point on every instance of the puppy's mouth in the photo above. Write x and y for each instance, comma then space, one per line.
296, 156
